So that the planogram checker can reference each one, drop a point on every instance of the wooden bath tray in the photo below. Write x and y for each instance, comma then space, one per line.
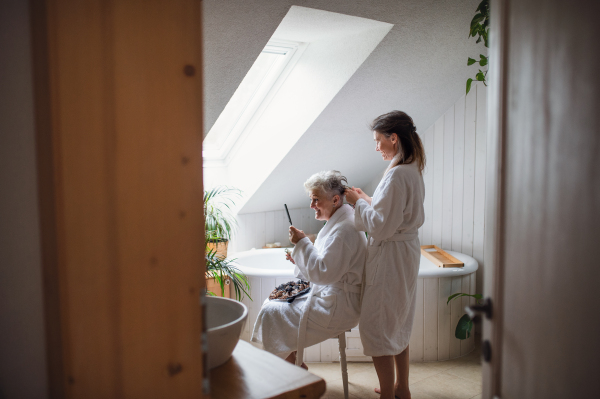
440, 257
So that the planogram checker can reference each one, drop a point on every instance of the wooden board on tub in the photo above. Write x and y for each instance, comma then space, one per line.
439, 257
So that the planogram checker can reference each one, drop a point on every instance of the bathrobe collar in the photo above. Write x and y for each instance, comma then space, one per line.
342, 213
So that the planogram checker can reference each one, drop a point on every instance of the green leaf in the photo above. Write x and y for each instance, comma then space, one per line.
451, 297
458, 295
483, 60
484, 7
221, 269
471, 61
469, 81
218, 219
464, 327
480, 76
476, 19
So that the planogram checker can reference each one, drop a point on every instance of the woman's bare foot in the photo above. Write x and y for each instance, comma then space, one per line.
398, 393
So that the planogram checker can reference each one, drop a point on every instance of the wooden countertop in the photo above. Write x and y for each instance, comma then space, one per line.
254, 373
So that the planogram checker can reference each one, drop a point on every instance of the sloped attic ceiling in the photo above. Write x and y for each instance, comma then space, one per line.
419, 67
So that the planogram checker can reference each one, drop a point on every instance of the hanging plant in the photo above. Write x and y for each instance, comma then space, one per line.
479, 29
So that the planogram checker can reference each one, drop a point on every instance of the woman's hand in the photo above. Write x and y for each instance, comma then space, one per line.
296, 235
288, 256
354, 194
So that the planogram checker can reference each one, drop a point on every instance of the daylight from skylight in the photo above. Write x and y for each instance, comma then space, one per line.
247, 99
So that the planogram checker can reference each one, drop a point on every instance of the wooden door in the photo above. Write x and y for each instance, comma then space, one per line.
545, 118
118, 102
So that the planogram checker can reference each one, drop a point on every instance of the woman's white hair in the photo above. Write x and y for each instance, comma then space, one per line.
329, 182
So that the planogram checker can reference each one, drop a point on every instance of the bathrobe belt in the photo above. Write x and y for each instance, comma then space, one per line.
373, 262
356, 289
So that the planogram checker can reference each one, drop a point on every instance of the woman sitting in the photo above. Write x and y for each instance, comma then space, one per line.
334, 266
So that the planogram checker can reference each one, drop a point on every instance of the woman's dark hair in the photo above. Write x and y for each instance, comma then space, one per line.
411, 148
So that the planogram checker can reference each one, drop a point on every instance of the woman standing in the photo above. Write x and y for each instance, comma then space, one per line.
391, 218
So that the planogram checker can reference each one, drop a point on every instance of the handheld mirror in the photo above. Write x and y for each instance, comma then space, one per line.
288, 214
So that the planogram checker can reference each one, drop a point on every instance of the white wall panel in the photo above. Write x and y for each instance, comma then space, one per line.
445, 329
427, 140
416, 350
480, 174
469, 173
448, 179
456, 312
455, 178
257, 229
438, 181
270, 227
430, 319
260, 235
281, 228
459, 167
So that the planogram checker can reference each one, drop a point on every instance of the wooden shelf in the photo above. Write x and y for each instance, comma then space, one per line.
254, 373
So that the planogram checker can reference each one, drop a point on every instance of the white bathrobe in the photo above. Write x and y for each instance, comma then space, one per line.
334, 265
392, 268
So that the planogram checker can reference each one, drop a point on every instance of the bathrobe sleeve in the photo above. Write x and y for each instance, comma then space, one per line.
327, 266
382, 218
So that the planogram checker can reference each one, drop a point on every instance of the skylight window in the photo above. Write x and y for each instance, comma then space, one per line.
247, 101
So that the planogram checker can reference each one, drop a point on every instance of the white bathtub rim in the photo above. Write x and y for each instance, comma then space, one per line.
253, 272
426, 269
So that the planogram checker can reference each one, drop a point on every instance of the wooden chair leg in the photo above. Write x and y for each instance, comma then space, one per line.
343, 364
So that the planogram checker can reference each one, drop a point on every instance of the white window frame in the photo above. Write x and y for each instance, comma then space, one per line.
259, 101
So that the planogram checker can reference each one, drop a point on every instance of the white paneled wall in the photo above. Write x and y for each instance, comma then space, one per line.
257, 229
432, 338
455, 178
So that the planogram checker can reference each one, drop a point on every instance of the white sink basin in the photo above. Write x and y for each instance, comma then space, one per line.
224, 321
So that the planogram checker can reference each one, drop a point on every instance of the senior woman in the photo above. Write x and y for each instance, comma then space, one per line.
391, 218
334, 265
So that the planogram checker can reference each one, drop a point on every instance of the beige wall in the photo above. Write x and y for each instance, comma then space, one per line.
22, 351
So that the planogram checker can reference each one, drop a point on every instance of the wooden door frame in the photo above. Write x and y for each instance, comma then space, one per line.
101, 129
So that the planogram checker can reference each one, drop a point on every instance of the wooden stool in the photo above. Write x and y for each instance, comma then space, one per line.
343, 364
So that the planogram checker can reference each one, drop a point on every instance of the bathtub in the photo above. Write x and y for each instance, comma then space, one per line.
432, 337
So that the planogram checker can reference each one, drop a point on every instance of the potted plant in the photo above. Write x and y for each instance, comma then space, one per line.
221, 274
219, 223
465, 324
